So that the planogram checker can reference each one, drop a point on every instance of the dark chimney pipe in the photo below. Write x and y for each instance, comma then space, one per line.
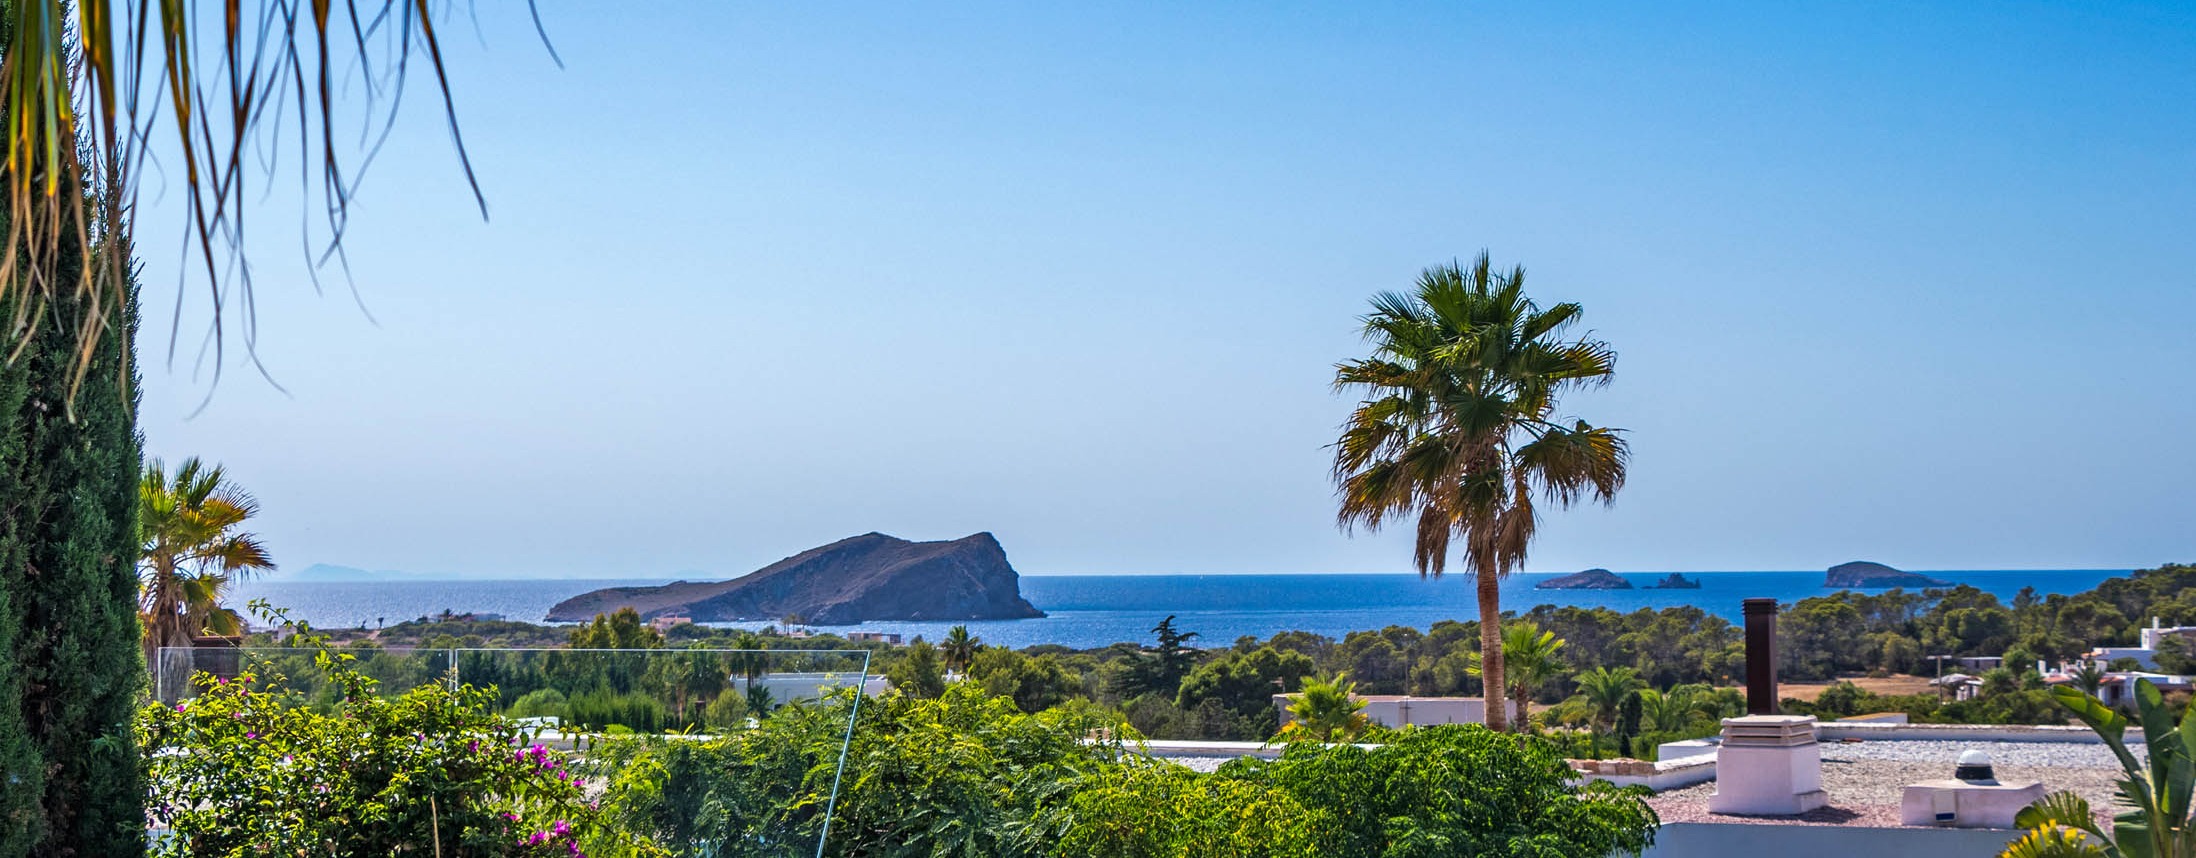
1761, 656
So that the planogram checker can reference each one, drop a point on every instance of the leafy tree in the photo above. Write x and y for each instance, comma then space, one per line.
917, 672
1244, 683
1327, 711
1457, 427
1530, 657
959, 649
620, 630
2173, 656
190, 525
71, 662
1174, 657
1160, 671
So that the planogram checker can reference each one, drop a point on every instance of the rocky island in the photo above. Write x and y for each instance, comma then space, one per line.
1676, 582
1863, 574
853, 580
1591, 579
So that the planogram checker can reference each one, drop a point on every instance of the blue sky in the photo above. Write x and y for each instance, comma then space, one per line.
1902, 282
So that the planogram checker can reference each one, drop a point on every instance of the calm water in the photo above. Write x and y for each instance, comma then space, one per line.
1096, 610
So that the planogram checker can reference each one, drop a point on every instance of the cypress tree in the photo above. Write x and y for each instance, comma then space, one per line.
71, 671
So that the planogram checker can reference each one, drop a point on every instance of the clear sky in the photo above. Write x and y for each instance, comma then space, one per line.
1903, 282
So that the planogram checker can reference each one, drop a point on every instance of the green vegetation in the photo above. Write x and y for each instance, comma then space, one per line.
1327, 711
2157, 791
971, 774
188, 523
70, 665
244, 770
1458, 428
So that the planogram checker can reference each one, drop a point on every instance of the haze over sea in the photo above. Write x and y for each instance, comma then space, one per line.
1087, 611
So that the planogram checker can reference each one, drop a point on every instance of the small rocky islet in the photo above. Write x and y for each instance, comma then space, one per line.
1862, 574
1603, 579
1591, 579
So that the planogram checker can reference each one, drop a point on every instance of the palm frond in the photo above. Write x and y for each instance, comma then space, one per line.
90, 85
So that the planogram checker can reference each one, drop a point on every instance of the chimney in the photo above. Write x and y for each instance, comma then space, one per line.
1761, 656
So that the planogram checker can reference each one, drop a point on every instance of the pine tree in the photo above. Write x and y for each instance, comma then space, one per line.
71, 671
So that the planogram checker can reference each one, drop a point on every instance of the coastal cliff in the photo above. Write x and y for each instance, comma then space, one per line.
860, 578
1591, 579
1863, 574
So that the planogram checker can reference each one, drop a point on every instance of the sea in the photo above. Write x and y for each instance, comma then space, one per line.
1089, 611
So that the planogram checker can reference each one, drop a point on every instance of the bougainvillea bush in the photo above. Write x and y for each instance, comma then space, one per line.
242, 770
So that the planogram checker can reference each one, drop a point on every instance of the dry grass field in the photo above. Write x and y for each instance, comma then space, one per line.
1894, 684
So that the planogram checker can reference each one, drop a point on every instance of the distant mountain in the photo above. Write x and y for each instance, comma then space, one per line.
1676, 582
1591, 579
1863, 574
860, 578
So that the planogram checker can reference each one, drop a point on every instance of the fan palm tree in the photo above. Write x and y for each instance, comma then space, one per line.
2089, 678
1677, 708
959, 649
1458, 427
1326, 711
190, 523
1603, 690
1530, 657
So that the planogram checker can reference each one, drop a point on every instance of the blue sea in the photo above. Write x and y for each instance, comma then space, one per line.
1088, 611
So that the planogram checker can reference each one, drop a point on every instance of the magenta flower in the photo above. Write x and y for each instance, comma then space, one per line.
561, 829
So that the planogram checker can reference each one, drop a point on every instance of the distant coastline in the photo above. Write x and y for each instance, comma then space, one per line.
1096, 610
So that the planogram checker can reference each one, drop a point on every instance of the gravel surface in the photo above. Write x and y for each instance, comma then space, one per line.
1865, 779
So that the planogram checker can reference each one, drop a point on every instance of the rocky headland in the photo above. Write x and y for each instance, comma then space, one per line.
853, 580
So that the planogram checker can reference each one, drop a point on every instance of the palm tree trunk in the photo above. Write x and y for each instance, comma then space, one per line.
1490, 650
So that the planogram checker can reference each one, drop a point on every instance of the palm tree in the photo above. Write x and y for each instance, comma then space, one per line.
1530, 657
1677, 708
189, 524
959, 649
91, 85
751, 662
1327, 711
1603, 690
1458, 427
2089, 678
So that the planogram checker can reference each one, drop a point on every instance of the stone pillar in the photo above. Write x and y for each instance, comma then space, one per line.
1768, 765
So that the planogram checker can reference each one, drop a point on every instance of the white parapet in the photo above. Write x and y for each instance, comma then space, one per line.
1966, 804
1768, 765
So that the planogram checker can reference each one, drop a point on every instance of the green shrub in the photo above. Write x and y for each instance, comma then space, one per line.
1147, 808
1456, 790
241, 771
601, 708
539, 703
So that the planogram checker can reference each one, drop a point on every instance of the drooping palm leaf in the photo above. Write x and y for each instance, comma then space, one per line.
87, 87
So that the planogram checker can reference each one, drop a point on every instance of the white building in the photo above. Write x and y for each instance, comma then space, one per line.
788, 687
2146, 654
